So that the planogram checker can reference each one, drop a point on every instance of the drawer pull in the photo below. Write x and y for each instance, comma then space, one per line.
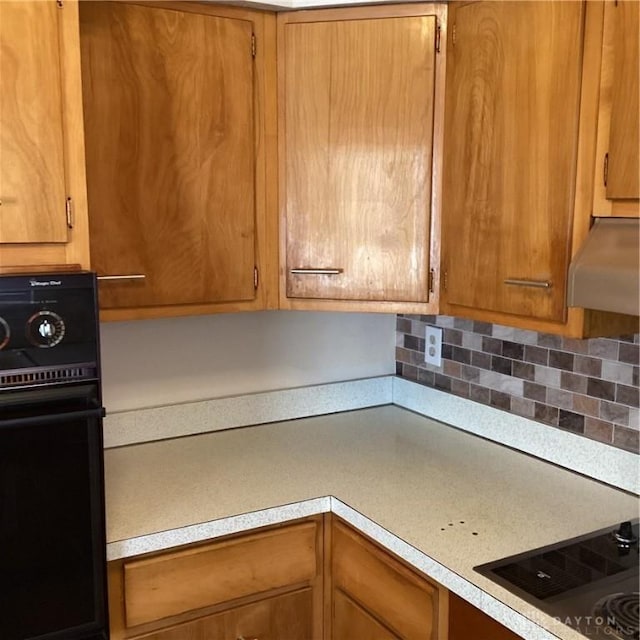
131, 276
538, 284
243, 638
316, 272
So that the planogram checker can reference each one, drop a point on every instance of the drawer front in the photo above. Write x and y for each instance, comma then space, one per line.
287, 616
404, 601
173, 583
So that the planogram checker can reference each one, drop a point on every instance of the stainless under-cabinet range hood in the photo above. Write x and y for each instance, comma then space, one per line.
605, 273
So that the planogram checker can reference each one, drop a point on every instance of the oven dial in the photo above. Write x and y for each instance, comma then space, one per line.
5, 333
45, 329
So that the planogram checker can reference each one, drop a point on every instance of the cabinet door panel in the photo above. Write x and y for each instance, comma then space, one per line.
32, 171
398, 597
358, 108
623, 171
465, 621
352, 621
170, 153
513, 92
172, 583
287, 616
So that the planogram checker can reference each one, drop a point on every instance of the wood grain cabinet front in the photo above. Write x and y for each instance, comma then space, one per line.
285, 617
617, 179
465, 622
176, 112
374, 595
520, 136
42, 180
350, 620
265, 584
360, 111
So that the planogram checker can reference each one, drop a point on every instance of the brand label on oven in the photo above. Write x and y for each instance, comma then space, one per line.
45, 283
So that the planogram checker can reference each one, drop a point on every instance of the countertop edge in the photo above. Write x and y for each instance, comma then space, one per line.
239, 523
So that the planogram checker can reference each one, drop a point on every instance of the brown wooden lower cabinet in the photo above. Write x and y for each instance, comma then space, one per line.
466, 622
375, 595
313, 579
350, 620
286, 617
264, 584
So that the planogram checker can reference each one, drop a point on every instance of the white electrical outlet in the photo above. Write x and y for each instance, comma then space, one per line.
433, 346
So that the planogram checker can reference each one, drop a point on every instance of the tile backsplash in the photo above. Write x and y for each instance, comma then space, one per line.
589, 387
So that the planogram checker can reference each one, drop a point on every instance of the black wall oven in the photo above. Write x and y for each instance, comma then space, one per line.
52, 539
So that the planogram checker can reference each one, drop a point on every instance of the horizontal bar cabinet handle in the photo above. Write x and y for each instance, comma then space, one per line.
538, 284
131, 276
316, 272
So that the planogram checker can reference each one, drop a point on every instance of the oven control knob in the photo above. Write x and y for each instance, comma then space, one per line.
5, 333
45, 329
624, 535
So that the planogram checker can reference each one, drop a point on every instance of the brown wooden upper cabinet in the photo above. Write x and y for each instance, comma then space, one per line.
617, 180
41, 162
520, 137
513, 103
360, 110
176, 111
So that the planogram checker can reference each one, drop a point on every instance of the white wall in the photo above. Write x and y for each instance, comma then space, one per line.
158, 362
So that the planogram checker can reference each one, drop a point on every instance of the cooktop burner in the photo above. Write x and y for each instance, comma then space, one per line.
590, 583
621, 613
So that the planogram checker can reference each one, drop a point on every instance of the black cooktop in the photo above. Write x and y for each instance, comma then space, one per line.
590, 583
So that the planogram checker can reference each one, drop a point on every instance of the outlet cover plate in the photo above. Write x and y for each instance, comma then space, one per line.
433, 346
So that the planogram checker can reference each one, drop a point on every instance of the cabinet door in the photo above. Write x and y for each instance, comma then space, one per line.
623, 174
172, 583
32, 169
352, 621
287, 616
356, 137
374, 591
199, 592
169, 108
511, 135
465, 621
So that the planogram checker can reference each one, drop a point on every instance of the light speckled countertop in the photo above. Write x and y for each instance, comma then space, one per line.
420, 488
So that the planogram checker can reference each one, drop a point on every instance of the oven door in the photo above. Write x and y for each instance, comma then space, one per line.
52, 541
